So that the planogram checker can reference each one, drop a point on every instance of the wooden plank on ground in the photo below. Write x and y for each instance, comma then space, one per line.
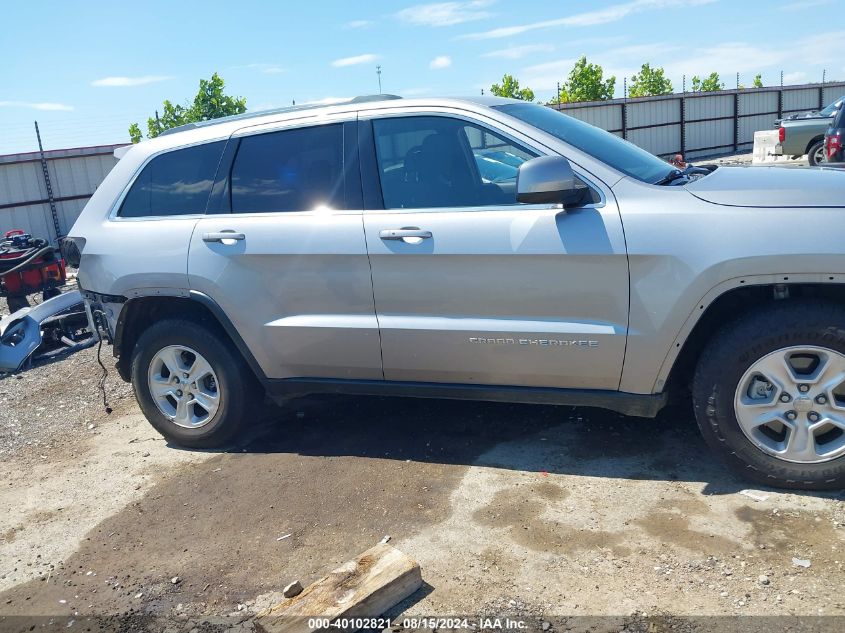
364, 587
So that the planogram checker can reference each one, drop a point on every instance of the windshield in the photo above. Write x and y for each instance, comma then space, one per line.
604, 146
833, 107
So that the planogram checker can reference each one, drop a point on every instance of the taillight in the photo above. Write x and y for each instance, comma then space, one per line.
833, 144
781, 134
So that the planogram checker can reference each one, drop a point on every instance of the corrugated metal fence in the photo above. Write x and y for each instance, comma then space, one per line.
74, 175
701, 124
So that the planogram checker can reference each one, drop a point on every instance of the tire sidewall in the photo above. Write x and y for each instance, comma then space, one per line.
714, 394
812, 152
230, 380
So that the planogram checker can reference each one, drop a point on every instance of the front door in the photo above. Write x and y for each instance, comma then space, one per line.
285, 256
471, 287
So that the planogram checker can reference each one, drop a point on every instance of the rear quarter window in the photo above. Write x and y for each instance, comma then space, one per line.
174, 183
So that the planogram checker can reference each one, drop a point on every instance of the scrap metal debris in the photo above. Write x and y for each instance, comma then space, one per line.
57, 327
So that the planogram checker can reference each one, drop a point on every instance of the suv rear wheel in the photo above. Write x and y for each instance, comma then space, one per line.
191, 385
769, 396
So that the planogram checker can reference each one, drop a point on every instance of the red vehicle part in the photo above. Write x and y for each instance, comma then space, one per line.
833, 144
28, 265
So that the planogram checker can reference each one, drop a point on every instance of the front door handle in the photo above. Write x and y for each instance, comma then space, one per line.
223, 236
401, 234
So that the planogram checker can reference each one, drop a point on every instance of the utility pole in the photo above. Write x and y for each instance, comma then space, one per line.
378, 72
47, 184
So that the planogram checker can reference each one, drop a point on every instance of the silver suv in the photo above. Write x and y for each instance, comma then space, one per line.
481, 249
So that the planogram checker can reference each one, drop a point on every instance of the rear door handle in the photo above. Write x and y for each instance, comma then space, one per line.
401, 234
220, 236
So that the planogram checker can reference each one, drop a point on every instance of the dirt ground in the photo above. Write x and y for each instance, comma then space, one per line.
568, 519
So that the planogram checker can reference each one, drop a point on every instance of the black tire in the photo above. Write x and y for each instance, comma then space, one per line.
15, 303
812, 153
726, 358
239, 392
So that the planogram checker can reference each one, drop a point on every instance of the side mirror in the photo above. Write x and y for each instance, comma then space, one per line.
547, 180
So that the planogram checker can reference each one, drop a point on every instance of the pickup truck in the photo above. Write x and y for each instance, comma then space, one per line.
803, 133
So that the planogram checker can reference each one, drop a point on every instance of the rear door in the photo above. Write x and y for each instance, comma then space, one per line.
285, 254
471, 287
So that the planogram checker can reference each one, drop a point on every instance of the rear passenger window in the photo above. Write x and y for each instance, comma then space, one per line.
291, 170
174, 183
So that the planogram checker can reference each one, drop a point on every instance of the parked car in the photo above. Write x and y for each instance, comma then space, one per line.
357, 249
803, 133
834, 141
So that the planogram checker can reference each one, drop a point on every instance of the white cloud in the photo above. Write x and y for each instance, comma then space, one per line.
123, 82
445, 13
43, 105
273, 70
613, 13
439, 62
795, 78
518, 52
358, 24
352, 61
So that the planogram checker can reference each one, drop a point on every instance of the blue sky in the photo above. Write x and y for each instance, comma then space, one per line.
85, 70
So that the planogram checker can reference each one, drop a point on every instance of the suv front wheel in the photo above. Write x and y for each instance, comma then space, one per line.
769, 395
191, 385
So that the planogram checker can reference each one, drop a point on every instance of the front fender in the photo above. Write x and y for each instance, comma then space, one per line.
684, 253
701, 306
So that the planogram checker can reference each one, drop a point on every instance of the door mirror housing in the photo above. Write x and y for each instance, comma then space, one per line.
547, 180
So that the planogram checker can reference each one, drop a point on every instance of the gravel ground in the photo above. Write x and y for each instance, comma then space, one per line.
54, 402
51, 404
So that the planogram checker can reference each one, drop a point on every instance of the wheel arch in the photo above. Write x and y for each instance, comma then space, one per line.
140, 312
733, 299
813, 141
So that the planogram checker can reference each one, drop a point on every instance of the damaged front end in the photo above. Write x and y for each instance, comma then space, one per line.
54, 328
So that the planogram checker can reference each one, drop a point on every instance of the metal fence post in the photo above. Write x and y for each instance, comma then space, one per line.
48, 185
625, 108
682, 102
736, 121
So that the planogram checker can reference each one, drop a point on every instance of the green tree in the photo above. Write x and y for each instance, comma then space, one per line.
758, 81
510, 88
209, 103
586, 83
650, 82
135, 133
708, 84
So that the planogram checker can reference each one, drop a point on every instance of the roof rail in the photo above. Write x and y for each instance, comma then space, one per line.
283, 110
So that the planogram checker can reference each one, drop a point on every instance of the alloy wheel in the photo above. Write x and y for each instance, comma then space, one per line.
791, 404
184, 386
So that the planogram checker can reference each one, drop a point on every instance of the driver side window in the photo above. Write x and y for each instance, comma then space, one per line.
433, 162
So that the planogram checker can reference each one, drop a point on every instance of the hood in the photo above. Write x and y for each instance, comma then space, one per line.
772, 187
